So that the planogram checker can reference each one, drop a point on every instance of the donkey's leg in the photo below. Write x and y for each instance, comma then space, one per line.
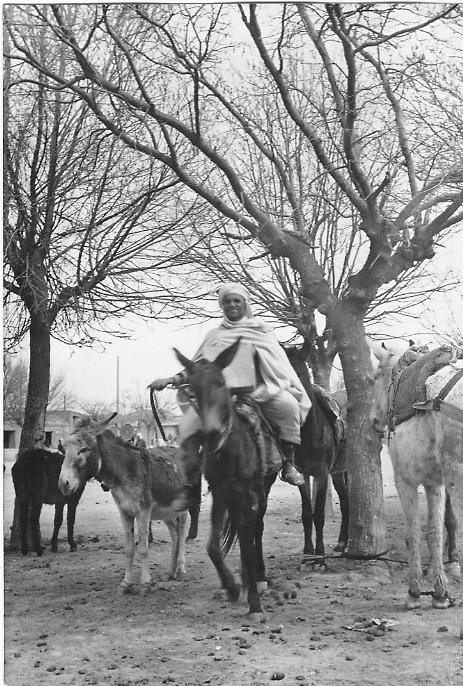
435, 537
451, 526
58, 520
71, 520
129, 549
178, 531
246, 535
143, 522
183, 520
261, 576
35, 508
340, 484
307, 517
320, 487
214, 548
195, 506
24, 524
408, 495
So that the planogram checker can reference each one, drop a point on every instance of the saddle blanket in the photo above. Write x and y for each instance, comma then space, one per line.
266, 440
420, 382
436, 382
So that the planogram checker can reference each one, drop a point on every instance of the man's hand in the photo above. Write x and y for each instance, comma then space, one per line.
160, 384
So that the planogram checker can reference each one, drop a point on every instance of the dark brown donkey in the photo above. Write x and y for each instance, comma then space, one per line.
322, 452
235, 471
145, 485
35, 478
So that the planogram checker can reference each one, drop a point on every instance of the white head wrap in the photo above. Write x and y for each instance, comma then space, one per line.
237, 289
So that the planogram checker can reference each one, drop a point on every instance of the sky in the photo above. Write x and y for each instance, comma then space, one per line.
92, 374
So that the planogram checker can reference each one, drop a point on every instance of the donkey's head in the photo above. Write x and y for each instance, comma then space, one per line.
298, 356
81, 461
382, 380
212, 395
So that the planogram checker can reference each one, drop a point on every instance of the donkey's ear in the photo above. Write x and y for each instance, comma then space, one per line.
188, 364
226, 356
99, 426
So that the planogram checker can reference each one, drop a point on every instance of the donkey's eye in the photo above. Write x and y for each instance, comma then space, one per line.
83, 451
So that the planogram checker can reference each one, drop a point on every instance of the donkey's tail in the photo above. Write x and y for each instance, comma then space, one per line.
229, 533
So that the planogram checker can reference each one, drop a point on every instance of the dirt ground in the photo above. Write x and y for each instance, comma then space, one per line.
65, 623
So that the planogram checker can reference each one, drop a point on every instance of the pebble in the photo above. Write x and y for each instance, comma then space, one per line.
442, 629
277, 676
378, 632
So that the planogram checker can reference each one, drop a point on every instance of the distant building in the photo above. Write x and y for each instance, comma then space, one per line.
60, 423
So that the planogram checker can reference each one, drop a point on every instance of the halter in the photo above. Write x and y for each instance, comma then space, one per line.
225, 434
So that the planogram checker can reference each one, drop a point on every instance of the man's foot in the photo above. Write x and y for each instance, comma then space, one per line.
290, 474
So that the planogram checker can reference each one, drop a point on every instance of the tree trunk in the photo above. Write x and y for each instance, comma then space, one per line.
37, 398
367, 538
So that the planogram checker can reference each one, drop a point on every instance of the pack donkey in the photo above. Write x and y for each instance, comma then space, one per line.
420, 406
145, 485
35, 478
322, 453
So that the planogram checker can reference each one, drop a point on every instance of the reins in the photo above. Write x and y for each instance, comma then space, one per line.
155, 414
224, 436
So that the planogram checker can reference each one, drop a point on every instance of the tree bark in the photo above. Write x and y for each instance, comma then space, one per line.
367, 538
37, 398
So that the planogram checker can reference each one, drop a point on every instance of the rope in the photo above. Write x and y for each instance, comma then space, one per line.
155, 414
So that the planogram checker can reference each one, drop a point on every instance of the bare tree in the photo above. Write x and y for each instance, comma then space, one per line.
15, 376
343, 84
15, 382
84, 225
84, 221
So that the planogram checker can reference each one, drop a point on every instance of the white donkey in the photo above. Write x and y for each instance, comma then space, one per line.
426, 449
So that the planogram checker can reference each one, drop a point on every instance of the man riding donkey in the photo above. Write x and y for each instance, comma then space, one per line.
260, 368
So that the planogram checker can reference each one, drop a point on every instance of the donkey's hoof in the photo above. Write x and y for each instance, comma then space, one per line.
54, 547
145, 588
340, 547
233, 593
441, 603
256, 617
40, 552
125, 588
262, 586
453, 569
412, 603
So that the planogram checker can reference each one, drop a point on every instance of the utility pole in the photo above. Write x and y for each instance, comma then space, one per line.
117, 384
